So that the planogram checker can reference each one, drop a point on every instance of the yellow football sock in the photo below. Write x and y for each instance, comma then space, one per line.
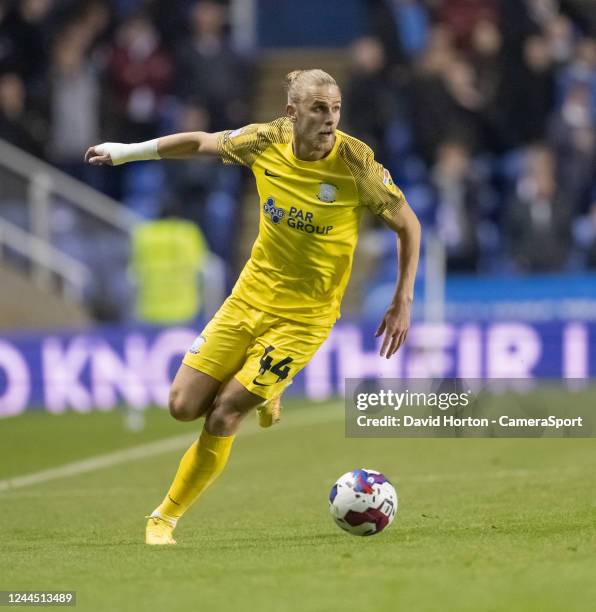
202, 463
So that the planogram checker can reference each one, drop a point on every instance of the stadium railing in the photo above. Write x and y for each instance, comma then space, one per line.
34, 242
41, 190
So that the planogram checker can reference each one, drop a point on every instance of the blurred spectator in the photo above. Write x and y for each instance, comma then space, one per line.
190, 181
203, 190
462, 16
23, 37
561, 39
94, 17
527, 93
140, 73
401, 26
487, 62
538, 217
584, 233
369, 100
573, 137
459, 193
74, 101
211, 71
485, 55
446, 101
18, 125
580, 69
540, 12
428, 98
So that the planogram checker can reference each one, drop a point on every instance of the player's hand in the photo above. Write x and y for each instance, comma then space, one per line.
98, 156
395, 325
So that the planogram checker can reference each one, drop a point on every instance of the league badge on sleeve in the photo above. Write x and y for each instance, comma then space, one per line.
236, 132
388, 181
229, 135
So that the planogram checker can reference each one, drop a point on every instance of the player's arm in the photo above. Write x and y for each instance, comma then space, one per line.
185, 145
396, 322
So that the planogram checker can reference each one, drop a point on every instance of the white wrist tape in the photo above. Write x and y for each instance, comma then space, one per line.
121, 153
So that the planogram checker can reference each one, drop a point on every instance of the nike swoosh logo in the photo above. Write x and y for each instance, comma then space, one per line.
267, 173
255, 382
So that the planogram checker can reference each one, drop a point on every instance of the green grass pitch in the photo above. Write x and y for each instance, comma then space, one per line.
483, 524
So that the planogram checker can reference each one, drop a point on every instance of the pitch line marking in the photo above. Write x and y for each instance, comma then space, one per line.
142, 451
97, 463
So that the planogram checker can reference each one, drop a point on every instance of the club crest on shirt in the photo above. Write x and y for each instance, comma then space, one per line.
195, 347
327, 192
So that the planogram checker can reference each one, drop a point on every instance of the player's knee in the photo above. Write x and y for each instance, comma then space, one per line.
223, 422
181, 408
225, 416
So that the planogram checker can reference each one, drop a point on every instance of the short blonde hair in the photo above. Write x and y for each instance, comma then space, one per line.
298, 81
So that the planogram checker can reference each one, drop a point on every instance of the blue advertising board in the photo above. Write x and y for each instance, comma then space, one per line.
104, 367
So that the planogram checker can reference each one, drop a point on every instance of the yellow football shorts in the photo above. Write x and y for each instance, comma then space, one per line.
261, 350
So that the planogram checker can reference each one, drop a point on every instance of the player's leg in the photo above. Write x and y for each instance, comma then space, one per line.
204, 461
206, 458
230, 408
270, 364
215, 355
192, 393
191, 396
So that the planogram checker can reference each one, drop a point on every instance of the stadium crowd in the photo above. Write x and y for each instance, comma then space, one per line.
484, 111
76, 73
489, 125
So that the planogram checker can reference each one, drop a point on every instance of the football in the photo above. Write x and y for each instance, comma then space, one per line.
363, 502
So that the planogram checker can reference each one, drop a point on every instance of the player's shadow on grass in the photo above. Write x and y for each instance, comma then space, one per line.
190, 540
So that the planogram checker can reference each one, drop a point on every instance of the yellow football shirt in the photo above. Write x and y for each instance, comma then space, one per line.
310, 212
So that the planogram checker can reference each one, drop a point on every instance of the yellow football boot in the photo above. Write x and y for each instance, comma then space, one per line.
159, 531
269, 413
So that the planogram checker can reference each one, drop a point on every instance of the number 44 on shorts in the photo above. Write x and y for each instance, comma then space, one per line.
281, 369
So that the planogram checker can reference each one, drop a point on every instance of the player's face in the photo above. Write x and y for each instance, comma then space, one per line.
316, 116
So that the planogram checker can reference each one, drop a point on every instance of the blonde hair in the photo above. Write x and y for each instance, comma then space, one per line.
298, 81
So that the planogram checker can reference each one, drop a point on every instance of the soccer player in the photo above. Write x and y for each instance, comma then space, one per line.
314, 183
